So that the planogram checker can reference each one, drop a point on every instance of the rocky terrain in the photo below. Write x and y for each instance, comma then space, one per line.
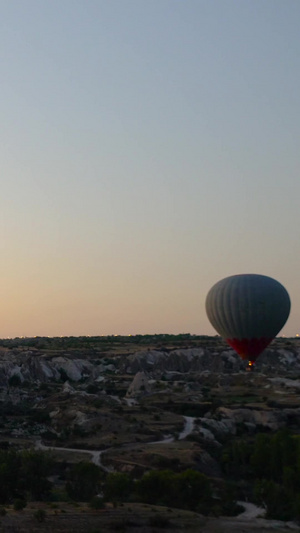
131, 400
76, 392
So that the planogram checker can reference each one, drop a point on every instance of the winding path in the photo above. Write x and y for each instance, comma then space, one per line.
251, 512
96, 455
188, 427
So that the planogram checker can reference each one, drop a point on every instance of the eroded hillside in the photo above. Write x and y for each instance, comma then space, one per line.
144, 404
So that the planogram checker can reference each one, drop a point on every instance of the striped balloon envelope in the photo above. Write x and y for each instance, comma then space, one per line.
248, 311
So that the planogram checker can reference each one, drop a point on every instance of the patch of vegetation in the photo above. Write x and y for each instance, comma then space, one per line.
83, 481
19, 504
188, 490
118, 487
15, 381
97, 503
271, 466
40, 515
24, 474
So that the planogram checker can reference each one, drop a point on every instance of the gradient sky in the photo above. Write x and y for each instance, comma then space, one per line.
149, 148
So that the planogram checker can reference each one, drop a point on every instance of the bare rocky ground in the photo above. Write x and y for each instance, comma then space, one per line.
133, 518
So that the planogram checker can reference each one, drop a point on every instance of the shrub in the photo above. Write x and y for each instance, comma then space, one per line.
97, 503
19, 504
40, 515
14, 381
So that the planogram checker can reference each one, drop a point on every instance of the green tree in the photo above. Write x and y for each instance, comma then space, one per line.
10, 465
236, 458
118, 487
34, 472
260, 458
84, 480
156, 487
283, 454
191, 490
278, 501
187, 490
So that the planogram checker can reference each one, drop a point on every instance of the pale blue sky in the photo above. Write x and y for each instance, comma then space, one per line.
149, 148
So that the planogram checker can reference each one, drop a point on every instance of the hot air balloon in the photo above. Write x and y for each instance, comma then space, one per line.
248, 310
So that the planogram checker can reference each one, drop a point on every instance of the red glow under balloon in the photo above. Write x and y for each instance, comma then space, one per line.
249, 349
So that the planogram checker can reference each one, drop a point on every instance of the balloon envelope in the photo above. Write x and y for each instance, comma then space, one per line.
248, 310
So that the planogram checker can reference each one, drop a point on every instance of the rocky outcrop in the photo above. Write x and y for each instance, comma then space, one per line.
183, 361
267, 419
139, 386
200, 360
227, 421
37, 367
